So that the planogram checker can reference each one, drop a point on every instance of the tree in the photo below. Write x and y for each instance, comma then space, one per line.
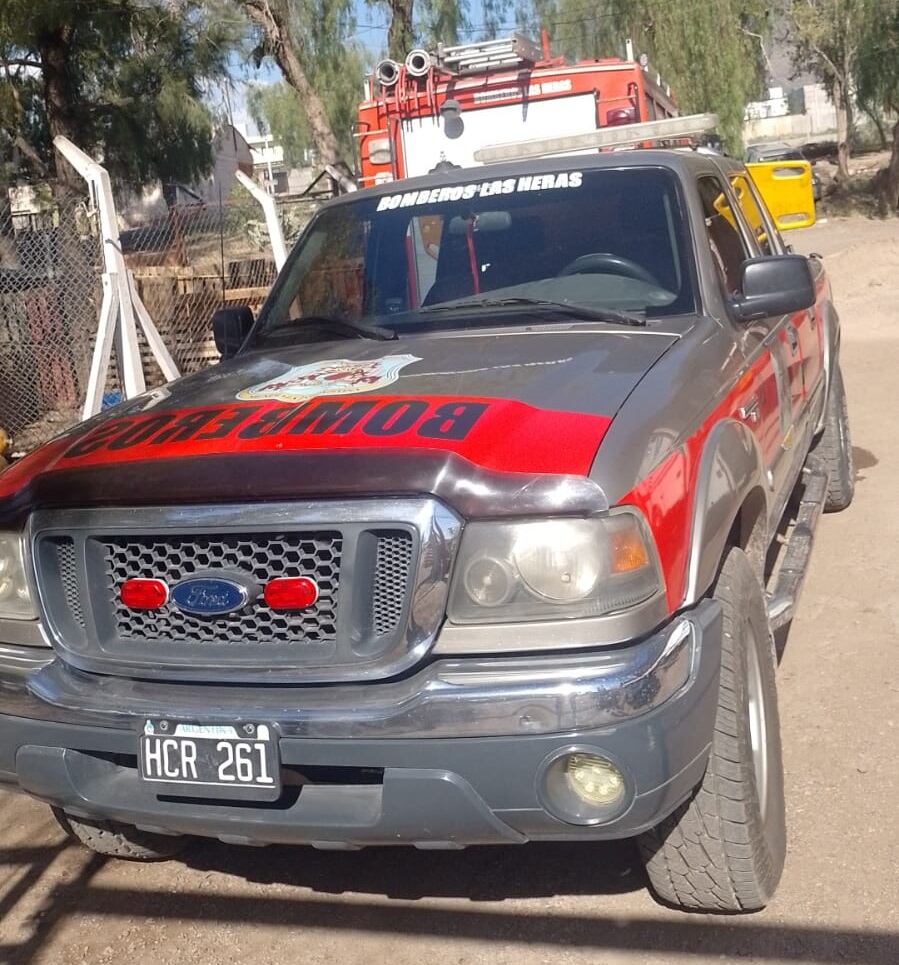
400, 32
304, 37
277, 108
442, 21
710, 53
430, 22
123, 79
830, 37
877, 84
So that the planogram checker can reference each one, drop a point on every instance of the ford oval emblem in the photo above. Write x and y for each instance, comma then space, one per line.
209, 596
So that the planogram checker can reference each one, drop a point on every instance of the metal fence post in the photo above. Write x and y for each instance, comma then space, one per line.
121, 301
272, 221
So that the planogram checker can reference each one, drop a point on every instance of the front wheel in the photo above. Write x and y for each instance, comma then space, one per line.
724, 849
117, 840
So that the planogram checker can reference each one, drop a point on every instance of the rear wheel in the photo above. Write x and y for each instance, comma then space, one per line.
724, 849
120, 840
834, 448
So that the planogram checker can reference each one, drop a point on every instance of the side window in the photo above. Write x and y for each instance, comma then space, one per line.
753, 213
725, 241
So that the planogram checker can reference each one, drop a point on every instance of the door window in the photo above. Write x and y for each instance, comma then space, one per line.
753, 213
725, 241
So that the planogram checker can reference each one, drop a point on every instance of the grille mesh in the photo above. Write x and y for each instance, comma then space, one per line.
68, 575
392, 564
262, 557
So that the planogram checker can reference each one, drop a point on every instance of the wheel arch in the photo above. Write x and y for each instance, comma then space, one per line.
730, 506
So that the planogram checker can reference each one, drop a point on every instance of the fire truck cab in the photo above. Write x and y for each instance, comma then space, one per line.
434, 111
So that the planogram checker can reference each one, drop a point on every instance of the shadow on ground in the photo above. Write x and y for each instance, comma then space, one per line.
863, 459
488, 874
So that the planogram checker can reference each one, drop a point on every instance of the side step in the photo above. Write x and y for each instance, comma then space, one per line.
791, 573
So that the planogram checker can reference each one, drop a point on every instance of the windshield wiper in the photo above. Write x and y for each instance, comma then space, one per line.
574, 309
338, 325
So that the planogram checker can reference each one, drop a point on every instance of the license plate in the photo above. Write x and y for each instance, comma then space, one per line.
211, 760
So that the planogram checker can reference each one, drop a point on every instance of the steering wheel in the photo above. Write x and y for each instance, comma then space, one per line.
604, 262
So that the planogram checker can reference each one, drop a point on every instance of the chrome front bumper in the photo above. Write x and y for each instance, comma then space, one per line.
483, 697
460, 746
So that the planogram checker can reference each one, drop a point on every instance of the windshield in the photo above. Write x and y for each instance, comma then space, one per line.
605, 242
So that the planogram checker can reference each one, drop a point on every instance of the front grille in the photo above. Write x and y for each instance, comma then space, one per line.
260, 557
68, 575
394, 556
382, 569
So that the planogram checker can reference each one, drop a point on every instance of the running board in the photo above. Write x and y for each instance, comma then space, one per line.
785, 595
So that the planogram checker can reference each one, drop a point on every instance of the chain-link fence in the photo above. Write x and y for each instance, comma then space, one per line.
50, 265
189, 263
186, 263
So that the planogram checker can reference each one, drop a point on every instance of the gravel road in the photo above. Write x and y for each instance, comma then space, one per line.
839, 686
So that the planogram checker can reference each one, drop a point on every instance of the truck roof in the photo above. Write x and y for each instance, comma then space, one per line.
681, 160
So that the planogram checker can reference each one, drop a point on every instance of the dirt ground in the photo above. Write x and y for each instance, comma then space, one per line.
839, 686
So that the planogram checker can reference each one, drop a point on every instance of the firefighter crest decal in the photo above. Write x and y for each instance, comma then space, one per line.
331, 377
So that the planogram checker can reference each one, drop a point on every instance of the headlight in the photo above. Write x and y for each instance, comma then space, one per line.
15, 597
553, 569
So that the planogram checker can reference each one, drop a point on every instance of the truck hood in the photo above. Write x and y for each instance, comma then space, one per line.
527, 402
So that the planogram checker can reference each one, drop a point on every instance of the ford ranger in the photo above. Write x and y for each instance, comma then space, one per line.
479, 533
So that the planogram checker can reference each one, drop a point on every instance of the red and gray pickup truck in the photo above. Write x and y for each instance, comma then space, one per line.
478, 534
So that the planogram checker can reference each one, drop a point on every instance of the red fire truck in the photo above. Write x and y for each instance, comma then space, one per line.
439, 107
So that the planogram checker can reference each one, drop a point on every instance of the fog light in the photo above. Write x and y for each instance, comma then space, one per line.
593, 779
584, 788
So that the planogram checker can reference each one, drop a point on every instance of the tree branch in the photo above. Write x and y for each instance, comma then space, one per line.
20, 62
32, 156
761, 40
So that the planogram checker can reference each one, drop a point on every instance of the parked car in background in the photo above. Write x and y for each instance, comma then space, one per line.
781, 151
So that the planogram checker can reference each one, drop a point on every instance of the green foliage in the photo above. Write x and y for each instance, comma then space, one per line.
133, 75
320, 31
450, 21
442, 21
829, 34
709, 52
578, 29
877, 70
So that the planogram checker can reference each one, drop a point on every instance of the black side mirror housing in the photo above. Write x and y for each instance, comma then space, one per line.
230, 327
774, 285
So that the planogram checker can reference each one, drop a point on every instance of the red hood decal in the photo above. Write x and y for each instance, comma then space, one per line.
495, 434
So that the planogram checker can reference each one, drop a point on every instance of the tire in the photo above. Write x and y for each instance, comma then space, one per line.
120, 840
834, 448
724, 849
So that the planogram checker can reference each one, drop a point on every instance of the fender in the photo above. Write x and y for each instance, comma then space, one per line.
730, 468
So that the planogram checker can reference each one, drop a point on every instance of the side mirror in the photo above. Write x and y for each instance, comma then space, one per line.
230, 327
774, 285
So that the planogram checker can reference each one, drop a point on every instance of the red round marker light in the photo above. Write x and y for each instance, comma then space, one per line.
144, 594
291, 593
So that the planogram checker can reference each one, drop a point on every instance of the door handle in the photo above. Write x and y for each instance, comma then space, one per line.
793, 338
750, 411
